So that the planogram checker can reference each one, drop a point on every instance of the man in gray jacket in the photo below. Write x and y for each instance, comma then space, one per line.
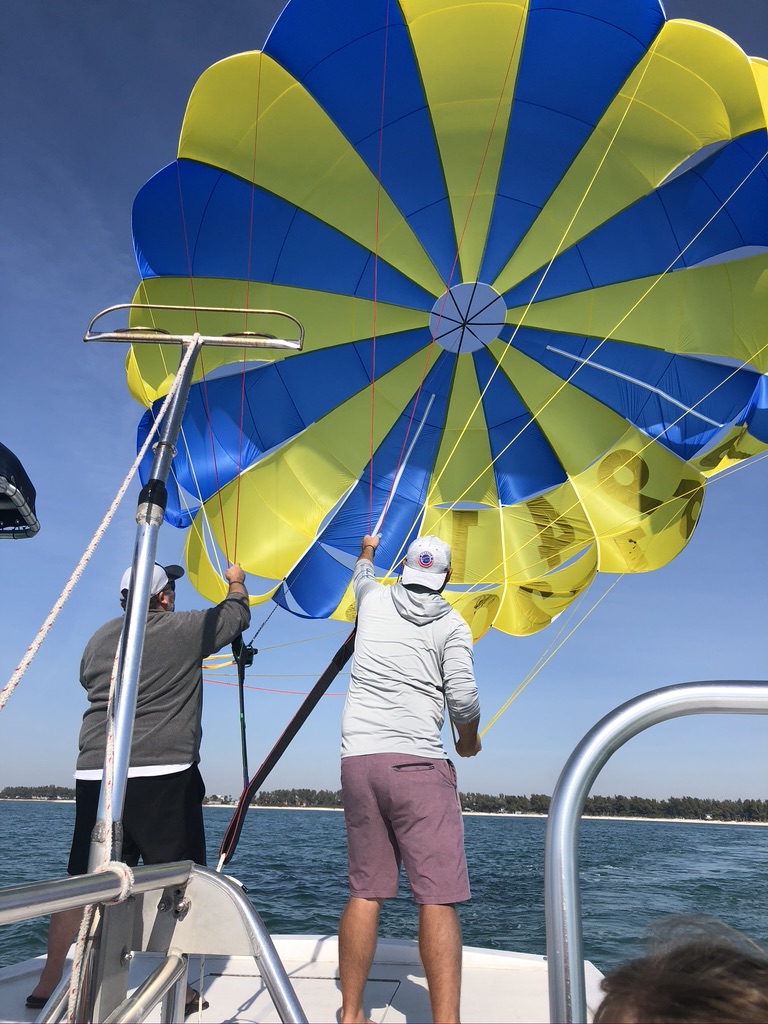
163, 815
413, 657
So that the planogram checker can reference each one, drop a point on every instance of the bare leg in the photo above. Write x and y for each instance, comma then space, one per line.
440, 950
358, 931
62, 930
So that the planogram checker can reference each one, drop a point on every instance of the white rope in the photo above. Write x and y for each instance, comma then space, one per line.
33, 648
124, 873
126, 885
78, 959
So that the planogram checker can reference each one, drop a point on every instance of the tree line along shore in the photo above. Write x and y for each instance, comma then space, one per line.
685, 807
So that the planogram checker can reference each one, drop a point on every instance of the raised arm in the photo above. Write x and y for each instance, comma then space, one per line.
367, 547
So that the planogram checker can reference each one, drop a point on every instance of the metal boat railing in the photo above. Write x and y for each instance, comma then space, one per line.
565, 941
173, 910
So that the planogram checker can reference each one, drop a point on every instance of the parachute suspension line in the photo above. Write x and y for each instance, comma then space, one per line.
238, 477
209, 681
587, 360
77, 572
374, 304
398, 471
254, 150
459, 242
648, 444
249, 244
214, 461
531, 300
272, 611
304, 640
402, 463
542, 661
185, 236
656, 281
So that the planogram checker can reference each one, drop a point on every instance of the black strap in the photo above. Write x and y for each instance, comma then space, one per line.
243, 654
235, 827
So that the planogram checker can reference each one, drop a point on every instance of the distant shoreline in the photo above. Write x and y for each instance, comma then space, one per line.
467, 814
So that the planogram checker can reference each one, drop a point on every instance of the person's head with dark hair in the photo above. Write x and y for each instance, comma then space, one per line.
698, 971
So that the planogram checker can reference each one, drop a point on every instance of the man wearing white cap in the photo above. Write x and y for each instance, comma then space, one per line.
413, 657
162, 817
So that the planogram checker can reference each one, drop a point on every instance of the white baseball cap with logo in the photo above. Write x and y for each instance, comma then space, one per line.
161, 577
427, 562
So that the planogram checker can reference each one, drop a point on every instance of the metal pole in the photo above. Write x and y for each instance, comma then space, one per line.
562, 896
149, 517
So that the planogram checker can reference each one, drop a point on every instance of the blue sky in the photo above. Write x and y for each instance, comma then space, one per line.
92, 96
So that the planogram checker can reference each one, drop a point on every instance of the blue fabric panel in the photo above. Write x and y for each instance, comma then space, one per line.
757, 413
649, 237
317, 583
274, 403
713, 391
230, 229
176, 514
315, 586
528, 466
576, 55
356, 516
384, 115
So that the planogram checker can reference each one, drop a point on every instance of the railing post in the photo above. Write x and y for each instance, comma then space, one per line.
562, 896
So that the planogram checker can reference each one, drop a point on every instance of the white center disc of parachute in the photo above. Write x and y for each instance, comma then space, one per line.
467, 316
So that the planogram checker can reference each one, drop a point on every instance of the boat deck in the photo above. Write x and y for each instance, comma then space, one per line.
497, 986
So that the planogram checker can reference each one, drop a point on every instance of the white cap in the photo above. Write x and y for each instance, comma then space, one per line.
427, 562
161, 576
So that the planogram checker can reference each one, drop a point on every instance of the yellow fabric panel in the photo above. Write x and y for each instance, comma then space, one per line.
760, 72
478, 608
468, 55
694, 87
205, 578
737, 445
717, 310
643, 504
474, 538
327, 319
277, 506
345, 610
277, 136
524, 610
518, 543
463, 471
559, 408
510, 608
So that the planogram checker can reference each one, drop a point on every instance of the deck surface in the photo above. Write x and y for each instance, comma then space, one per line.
497, 986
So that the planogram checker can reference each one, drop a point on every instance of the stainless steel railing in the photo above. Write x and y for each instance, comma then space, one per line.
565, 941
194, 911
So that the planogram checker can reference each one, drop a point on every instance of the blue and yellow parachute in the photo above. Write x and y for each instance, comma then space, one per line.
529, 247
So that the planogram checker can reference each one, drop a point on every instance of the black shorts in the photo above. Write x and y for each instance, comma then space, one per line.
162, 819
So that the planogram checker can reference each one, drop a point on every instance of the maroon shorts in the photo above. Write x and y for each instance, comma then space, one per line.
404, 809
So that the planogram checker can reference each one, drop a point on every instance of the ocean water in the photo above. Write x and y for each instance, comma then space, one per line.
293, 865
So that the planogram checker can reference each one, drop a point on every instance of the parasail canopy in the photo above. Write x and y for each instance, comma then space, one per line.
529, 247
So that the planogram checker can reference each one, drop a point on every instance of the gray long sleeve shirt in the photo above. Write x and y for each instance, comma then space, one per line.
413, 656
167, 727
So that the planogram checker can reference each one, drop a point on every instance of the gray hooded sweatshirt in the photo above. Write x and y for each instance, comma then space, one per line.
413, 656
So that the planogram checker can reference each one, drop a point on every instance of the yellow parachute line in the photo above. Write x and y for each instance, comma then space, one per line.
540, 284
544, 660
552, 649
